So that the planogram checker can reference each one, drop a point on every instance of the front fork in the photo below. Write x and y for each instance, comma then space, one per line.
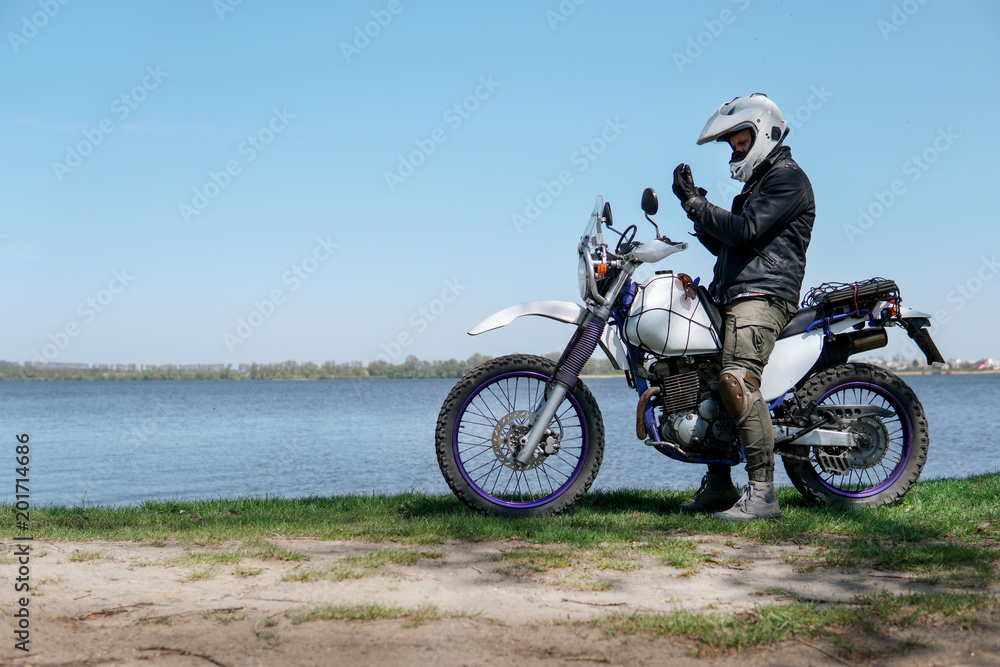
568, 369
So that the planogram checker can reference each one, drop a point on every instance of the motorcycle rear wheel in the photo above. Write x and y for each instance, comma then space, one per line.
480, 421
890, 464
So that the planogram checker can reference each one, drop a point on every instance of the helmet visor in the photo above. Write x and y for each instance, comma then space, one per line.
739, 155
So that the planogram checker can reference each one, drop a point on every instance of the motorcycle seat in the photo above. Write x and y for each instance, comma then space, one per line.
799, 323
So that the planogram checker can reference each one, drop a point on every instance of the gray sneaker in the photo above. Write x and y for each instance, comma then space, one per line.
757, 502
716, 493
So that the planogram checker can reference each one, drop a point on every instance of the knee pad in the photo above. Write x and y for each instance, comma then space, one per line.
735, 395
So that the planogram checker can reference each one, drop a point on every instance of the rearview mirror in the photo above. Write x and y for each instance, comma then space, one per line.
606, 214
650, 205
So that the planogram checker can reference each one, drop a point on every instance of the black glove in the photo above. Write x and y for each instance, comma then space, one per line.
684, 186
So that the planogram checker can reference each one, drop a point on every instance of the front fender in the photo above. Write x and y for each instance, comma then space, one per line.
561, 311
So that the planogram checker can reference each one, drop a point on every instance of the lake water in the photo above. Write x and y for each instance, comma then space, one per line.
123, 442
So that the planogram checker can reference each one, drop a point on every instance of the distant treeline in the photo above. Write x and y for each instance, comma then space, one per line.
412, 367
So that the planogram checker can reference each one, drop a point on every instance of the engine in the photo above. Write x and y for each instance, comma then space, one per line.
690, 414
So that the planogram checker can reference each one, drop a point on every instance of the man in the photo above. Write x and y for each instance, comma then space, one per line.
761, 250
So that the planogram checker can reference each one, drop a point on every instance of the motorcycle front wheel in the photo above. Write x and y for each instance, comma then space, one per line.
887, 465
478, 430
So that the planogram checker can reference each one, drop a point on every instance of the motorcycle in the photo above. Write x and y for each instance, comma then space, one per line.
521, 435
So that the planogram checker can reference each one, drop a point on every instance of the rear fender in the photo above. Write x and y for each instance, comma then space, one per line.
791, 359
795, 356
560, 311
916, 324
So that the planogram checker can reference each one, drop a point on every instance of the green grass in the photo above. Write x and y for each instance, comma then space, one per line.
580, 581
533, 559
224, 616
305, 575
613, 561
873, 616
365, 612
372, 560
951, 510
244, 572
945, 533
675, 552
944, 530
254, 548
382, 557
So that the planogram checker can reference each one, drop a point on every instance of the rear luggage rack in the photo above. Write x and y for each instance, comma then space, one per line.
851, 298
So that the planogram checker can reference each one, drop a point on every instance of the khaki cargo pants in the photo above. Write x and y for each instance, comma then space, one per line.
750, 327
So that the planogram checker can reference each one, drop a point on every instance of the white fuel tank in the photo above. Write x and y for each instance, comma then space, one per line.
665, 320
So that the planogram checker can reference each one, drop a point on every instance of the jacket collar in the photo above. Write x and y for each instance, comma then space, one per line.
779, 154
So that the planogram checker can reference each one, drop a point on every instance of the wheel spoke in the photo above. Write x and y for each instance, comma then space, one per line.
888, 440
500, 408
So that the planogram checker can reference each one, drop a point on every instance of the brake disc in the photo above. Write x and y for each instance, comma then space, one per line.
873, 442
510, 430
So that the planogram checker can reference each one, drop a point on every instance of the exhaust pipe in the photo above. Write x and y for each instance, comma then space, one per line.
640, 412
843, 345
863, 341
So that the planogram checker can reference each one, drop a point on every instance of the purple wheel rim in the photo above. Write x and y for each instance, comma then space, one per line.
489, 495
905, 447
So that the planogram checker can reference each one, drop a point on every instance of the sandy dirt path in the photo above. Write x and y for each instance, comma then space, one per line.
95, 603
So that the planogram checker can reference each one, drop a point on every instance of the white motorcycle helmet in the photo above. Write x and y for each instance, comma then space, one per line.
765, 122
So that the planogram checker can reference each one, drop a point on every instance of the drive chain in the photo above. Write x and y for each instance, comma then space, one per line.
794, 457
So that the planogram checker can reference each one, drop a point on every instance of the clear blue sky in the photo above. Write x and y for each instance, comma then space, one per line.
171, 168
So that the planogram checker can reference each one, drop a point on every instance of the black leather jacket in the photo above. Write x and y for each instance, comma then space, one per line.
760, 245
